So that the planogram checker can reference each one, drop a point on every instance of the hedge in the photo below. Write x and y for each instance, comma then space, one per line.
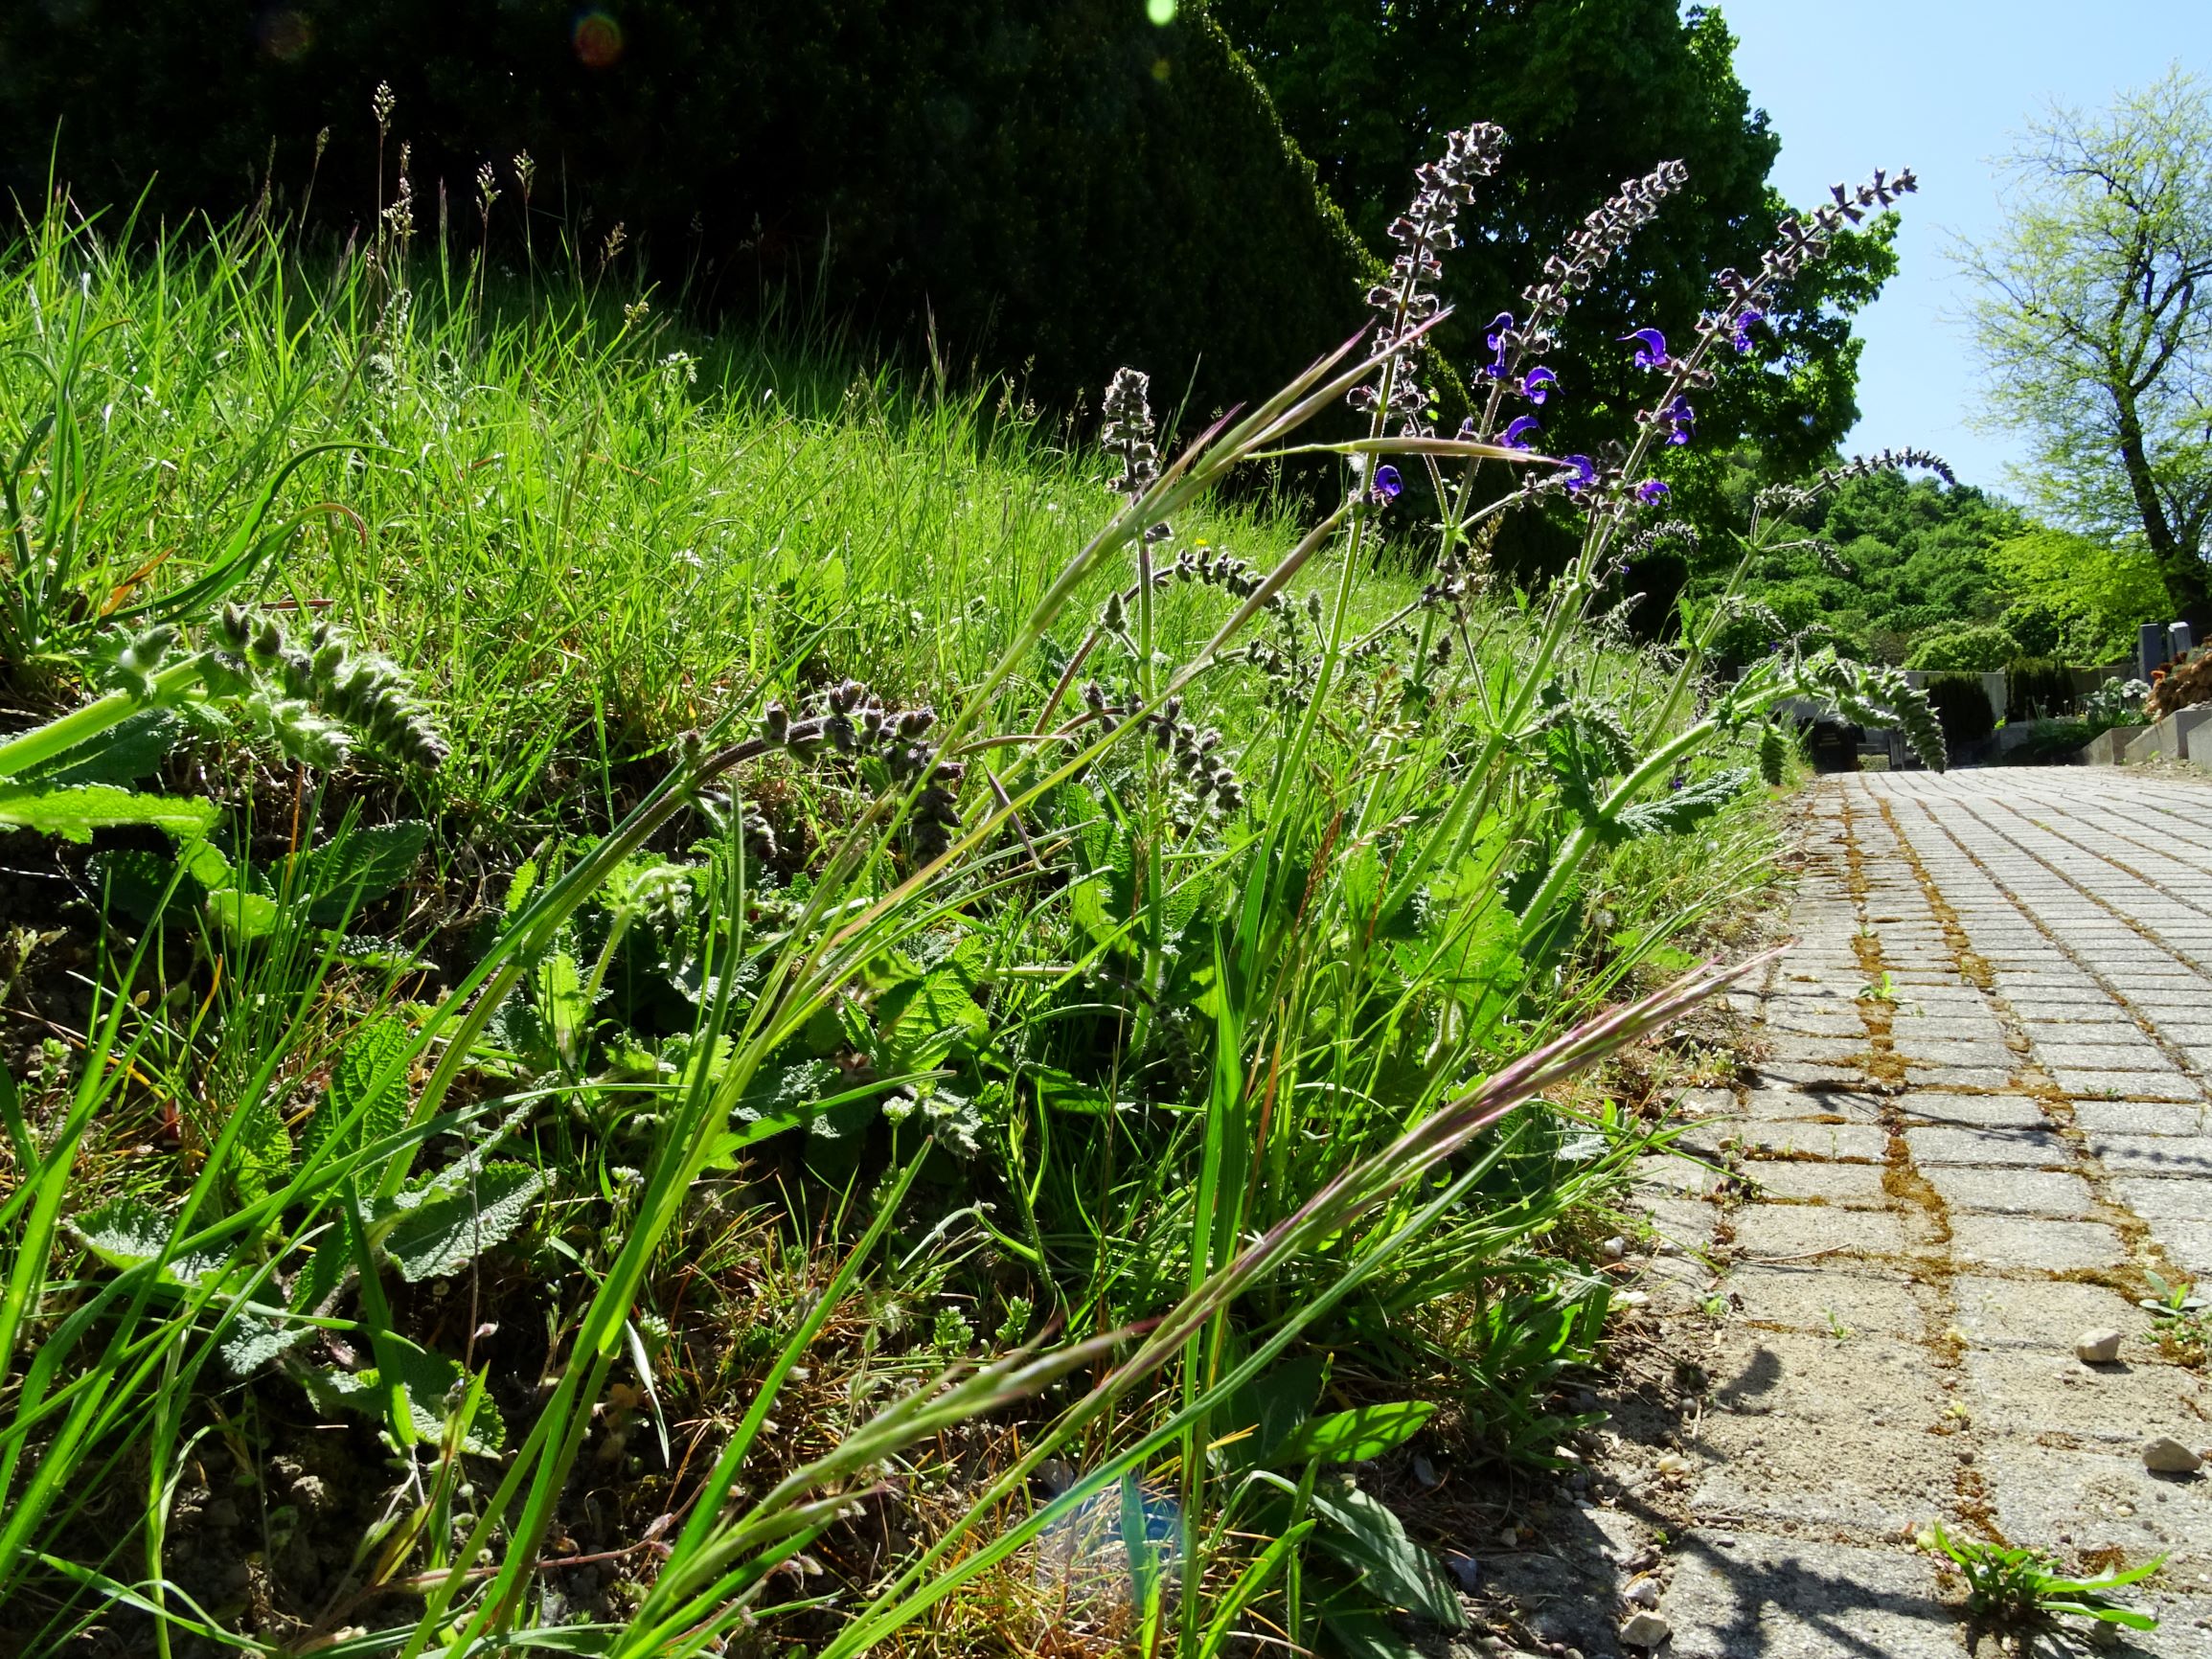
1056, 186
1962, 706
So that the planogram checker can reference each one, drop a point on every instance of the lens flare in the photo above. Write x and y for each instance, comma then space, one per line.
597, 39
286, 35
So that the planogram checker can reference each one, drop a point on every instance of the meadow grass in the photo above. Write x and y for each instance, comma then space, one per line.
890, 1039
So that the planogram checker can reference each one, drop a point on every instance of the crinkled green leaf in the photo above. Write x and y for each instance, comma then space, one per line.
373, 1051
75, 813
1684, 809
127, 1233
124, 753
362, 865
243, 916
442, 1227
435, 1387
253, 1339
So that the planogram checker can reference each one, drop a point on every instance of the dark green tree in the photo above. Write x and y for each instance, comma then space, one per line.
1590, 94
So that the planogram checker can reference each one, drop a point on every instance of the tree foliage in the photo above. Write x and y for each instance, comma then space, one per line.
1885, 561
1590, 94
2095, 323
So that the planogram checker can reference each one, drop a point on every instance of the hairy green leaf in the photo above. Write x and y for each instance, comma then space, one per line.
75, 813
1349, 1437
447, 1227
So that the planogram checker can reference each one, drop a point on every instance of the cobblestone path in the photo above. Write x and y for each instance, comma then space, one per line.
1986, 1109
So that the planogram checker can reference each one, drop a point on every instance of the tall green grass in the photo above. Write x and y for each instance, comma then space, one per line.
703, 1061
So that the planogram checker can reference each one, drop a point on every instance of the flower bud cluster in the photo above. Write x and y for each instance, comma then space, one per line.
1593, 247
1206, 782
1783, 500
852, 722
1424, 233
326, 687
1127, 437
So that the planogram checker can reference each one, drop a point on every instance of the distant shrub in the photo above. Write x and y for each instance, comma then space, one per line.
2038, 688
1962, 707
1968, 647
1058, 189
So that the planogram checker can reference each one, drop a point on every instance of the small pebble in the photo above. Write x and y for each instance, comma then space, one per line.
2167, 1456
1646, 1630
1643, 1593
1614, 1248
2098, 1347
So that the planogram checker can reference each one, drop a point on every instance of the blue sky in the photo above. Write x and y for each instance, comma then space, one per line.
1940, 86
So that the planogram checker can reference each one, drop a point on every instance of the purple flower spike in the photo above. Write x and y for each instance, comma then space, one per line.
1537, 384
1498, 325
1585, 472
1388, 485
1651, 348
1680, 416
1744, 327
1650, 492
1516, 432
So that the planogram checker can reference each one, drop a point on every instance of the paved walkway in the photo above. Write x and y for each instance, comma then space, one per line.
1987, 1108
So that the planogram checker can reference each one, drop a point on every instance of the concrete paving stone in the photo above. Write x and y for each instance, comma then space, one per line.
2034, 1241
2189, 1243
1859, 1478
1791, 1074
2125, 1085
2154, 1154
1816, 1298
1982, 1111
1794, 1378
2097, 1499
1786, 1105
1766, 1231
1942, 1076
1686, 1224
1843, 1186
1823, 1054
2052, 1314
1943, 1027
2163, 1198
1765, 1598
2143, 1056
2035, 1393
1867, 1143
2010, 1192
1922, 1058
2143, 1117
1955, 1146
1661, 1176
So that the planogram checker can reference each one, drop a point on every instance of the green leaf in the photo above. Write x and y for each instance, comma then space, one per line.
435, 1386
75, 813
360, 866
243, 916
127, 1233
1349, 1437
375, 1047
124, 753
1359, 1633
923, 1021
262, 1154
446, 1227
1686, 808
253, 1339
1369, 1539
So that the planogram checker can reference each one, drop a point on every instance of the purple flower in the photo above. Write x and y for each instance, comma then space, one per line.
1387, 484
1537, 384
1744, 327
1651, 348
1516, 432
1650, 492
1681, 419
1585, 472
1496, 339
